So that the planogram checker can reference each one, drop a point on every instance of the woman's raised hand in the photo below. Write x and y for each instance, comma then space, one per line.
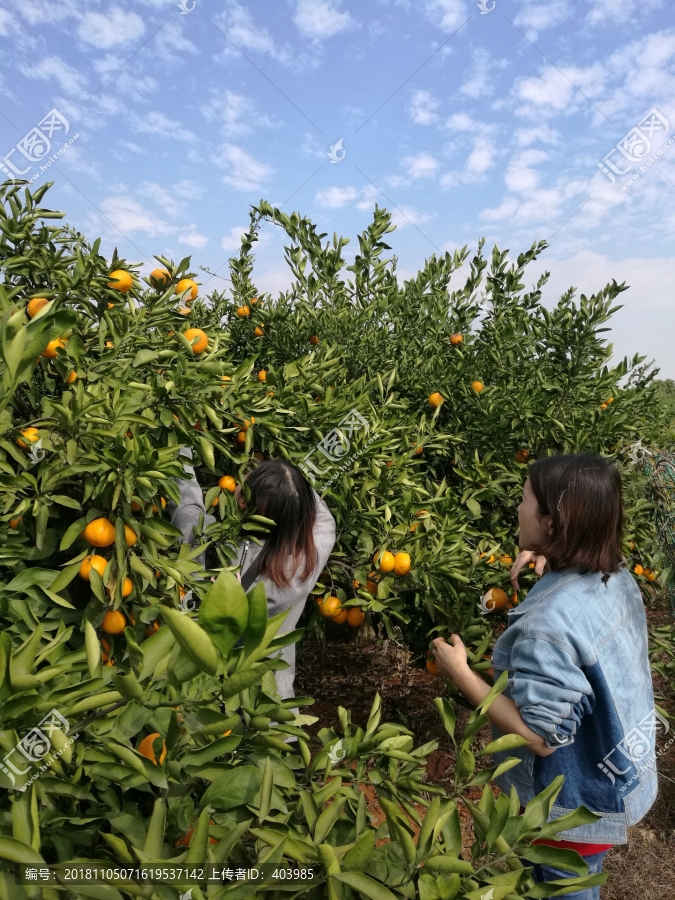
524, 558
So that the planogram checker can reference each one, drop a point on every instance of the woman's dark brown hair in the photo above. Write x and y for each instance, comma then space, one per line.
582, 494
280, 492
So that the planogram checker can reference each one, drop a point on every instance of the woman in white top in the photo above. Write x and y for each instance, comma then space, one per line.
291, 557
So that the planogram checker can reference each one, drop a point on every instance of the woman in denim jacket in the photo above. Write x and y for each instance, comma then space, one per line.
579, 686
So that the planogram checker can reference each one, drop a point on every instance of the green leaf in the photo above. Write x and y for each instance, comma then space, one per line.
192, 639
72, 533
506, 742
238, 787
447, 713
538, 809
224, 612
557, 858
366, 886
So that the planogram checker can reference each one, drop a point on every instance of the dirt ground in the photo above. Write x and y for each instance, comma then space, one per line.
349, 674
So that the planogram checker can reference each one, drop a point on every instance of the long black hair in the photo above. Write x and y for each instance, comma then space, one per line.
279, 491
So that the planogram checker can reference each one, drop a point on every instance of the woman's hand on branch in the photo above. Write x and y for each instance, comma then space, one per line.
524, 558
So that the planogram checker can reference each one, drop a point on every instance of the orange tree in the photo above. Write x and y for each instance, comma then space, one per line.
462, 377
134, 728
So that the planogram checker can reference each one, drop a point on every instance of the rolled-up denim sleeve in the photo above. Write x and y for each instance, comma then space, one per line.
550, 690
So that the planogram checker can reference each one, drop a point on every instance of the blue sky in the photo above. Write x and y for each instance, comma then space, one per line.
464, 122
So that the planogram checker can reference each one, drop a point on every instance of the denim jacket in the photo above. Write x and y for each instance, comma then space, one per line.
576, 653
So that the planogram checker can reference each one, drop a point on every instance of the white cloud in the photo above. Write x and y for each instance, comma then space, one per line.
538, 16
171, 41
157, 123
482, 155
236, 113
526, 136
557, 90
406, 215
53, 68
423, 165
243, 31
319, 19
192, 238
447, 14
232, 240
336, 197
479, 83
129, 216
117, 27
7, 21
160, 196
614, 13
423, 108
129, 145
245, 172
40, 12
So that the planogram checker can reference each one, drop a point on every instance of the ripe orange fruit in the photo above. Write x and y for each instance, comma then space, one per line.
495, 599
120, 280
227, 483
340, 618
200, 339
14, 523
146, 749
401, 564
258, 331
135, 506
127, 588
421, 512
603, 406
436, 399
152, 629
187, 284
241, 437
184, 310
248, 422
355, 617
649, 575
105, 650
456, 339
372, 587
314, 340
109, 344
53, 347
130, 536
31, 435
162, 501
384, 561
99, 532
92, 562
160, 278
419, 450
506, 560
478, 386
330, 607
35, 305
243, 311
113, 622
71, 377
215, 501
225, 378
522, 455
270, 394
431, 665
255, 300
414, 527
187, 837
262, 375
638, 569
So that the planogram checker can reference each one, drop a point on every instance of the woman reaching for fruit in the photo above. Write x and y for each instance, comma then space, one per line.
579, 688
291, 558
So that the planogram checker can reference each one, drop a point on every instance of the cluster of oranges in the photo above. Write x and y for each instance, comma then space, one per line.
51, 350
332, 608
244, 311
436, 398
398, 563
647, 573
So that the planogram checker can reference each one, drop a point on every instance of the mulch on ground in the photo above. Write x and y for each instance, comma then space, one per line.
348, 674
